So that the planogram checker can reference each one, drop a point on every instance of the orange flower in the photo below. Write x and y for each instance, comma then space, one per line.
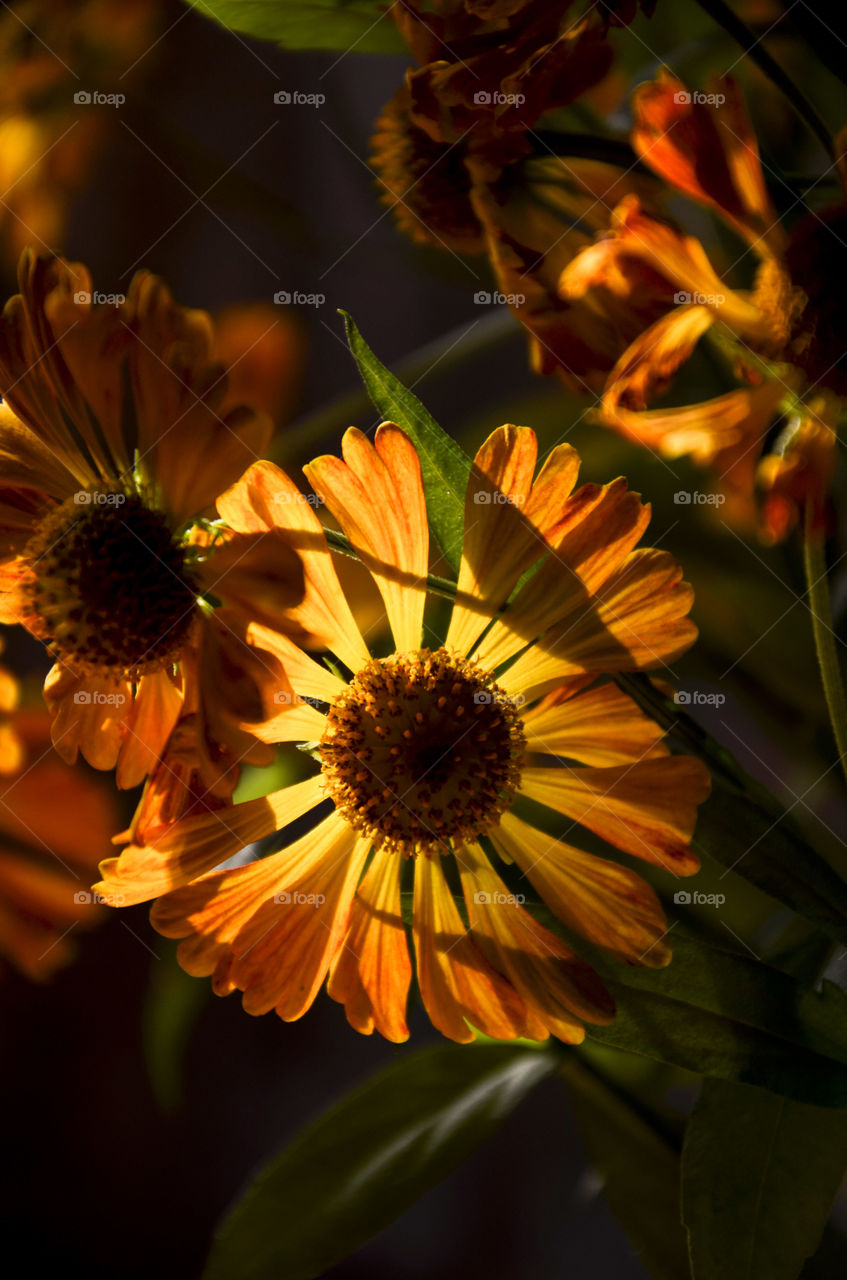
787, 330
116, 436
438, 757
55, 824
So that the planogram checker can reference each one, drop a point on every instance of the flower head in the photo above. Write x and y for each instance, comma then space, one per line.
438, 758
783, 334
116, 436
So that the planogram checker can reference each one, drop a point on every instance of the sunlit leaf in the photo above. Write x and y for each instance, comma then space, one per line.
445, 466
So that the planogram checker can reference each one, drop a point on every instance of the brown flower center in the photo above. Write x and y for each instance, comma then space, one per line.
107, 587
422, 749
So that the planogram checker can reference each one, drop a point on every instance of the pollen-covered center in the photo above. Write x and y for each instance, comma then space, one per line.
421, 751
107, 588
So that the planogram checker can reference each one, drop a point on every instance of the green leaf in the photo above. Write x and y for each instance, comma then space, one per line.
759, 1175
446, 467
745, 828
639, 1165
358, 1167
722, 1014
363, 26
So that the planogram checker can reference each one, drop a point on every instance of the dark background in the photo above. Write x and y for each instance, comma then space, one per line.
207, 182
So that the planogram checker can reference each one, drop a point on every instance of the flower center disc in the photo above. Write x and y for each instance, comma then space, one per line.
422, 749
107, 589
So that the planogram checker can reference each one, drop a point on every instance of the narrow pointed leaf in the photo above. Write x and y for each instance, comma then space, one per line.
445, 466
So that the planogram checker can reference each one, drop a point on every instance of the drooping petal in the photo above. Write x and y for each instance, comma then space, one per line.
708, 150
601, 901
147, 727
377, 496
372, 971
555, 983
459, 988
283, 953
198, 843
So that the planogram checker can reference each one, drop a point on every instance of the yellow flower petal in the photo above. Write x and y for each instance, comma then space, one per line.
647, 809
377, 496
458, 985
601, 727
372, 971
601, 901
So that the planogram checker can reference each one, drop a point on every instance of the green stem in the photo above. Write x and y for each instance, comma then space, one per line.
755, 50
438, 586
817, 586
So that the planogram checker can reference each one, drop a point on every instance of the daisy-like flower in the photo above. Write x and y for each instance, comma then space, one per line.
116, 436
785, 335
48, 849
486, 73
437, 758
